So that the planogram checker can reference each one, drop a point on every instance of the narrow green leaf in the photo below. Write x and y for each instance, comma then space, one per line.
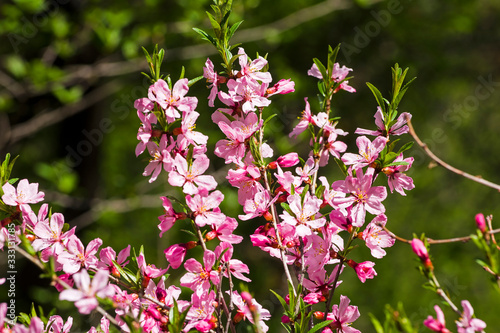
193, 81
233, 29
405, 147
320, 326
376, 323
377, 94
322, 69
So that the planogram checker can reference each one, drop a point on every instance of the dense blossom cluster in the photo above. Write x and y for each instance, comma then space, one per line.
304, 220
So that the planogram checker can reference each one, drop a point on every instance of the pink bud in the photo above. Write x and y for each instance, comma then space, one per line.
365, 270
481, 222
420, 250
288, 160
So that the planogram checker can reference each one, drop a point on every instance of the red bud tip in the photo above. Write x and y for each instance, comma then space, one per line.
211, 235
273, 165
190, 245
319, 315
30, 237
268, 216
177, 131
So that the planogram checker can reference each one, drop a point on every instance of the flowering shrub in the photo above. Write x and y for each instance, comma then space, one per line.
309, 223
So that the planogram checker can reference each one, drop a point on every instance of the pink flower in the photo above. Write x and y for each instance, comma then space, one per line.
172, 101
343, 315
144, 107
224, 231
188, 133
438, 324
338, 75
396, 178
198, 276
187, 176
368, 152
257, 206
376, 237
168, 219
77, 257
288, 160
203, 205
175, 255
305, 120
332, 146
304, 214
85, 296
466, 323
25, 194
364, 269
210, 74
397, 128
234, 266
363, 196
200, 313
50, 238
148, 271
57, 325
246, 304
281, 87
252, 69
108, 256
248, 92
160, 159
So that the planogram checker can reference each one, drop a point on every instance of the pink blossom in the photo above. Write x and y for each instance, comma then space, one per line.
234, 266
246, 304
363, 197
224, 231
305, 120
172, 101
376, 237
343, 315
467, 324
57, 325
107, 257
368, 152
338, 75
25, 194
175, 255
332, 147
438, 324
281, 87
168, 219
364, 269
287, 179
200, 313
304, 214
249, 93
396, 178
188, 133
203, 205
148, 271
319, 281
85, 296
77, 257
32, 220
144, 107
397, 128
265, 238
187, 176
50, 238
199, 276
245, 178
210, 74
161, 159
67, 279
288, 160
252, 69
257, 206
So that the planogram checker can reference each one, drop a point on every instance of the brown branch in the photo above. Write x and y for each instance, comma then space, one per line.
446, 165
41, 121
436, 241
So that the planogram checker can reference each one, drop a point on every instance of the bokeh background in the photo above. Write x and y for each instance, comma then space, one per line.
70, 72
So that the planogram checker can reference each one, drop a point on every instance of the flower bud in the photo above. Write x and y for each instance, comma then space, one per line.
319, 315
421, 251
481, 222
211, 235
288, 160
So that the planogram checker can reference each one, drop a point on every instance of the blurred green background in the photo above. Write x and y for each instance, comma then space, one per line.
70, 72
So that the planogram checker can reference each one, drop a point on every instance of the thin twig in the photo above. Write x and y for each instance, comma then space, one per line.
446, 165
436, 241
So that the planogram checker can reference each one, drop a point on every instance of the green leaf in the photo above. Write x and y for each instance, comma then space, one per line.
233, 29
205, 36
332, 57
378, 95
405, 147
193, 81
281, 300
322, 70
320, 326
376, 323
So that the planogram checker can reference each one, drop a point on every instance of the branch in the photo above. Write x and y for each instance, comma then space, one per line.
436, 241
41, 121
446, 165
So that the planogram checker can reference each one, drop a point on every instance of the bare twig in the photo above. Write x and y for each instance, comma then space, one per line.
446, 165
43, 120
